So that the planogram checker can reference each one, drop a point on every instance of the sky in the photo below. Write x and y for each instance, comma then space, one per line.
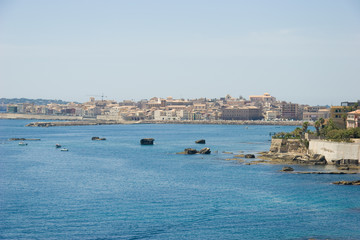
304, 52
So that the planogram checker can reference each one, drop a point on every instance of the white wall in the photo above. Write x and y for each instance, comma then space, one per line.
335, 150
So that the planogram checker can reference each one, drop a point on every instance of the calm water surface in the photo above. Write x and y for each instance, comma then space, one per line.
117, 189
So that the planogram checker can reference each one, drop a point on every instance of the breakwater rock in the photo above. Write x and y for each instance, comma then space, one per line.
191, 151
98, 139
70, 123
357, 182
147, 141
24, 139
287, 169
293, 158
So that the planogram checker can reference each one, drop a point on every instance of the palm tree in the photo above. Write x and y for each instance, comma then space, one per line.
317, 127
305, 127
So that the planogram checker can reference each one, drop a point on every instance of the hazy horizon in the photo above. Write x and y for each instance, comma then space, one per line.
305, 52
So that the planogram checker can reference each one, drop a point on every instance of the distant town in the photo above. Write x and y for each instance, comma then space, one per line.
257, 107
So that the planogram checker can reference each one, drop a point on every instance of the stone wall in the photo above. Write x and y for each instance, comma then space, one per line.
294, 146
335, 151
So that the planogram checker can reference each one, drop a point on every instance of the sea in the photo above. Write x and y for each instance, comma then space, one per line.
119, 189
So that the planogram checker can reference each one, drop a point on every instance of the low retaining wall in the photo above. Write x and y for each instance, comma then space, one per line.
335, 151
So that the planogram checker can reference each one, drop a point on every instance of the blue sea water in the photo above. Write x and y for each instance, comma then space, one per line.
118, 189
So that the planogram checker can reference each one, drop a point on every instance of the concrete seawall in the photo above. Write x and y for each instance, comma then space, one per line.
334, 151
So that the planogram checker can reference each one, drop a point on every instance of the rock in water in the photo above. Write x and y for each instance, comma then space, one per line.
287, 169
249, 156
147, 141
201, 141
357, 182
97, 139
205, 151
190, 151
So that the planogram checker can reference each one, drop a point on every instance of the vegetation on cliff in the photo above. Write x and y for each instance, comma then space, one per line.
328, 131
298, 133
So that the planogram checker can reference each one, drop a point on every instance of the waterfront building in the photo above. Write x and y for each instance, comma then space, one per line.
290, 111
315, 113
353, 119
170, 115
272, 115
241, 113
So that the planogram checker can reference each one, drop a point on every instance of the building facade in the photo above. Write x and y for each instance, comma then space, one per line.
241, 113
353, 119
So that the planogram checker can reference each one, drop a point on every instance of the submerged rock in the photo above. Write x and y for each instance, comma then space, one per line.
147, 141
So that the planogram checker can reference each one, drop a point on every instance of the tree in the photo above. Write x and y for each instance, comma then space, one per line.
304, 127
317, 127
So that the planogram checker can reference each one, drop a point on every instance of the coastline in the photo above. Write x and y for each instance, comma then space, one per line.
104, 122
80, 121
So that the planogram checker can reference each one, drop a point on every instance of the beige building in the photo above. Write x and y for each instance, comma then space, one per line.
241, 113
272, 115
315, 113
353, 119
262, 98
290, 110
170, 115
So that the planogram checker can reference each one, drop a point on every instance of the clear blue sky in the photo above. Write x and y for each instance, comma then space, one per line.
299, 51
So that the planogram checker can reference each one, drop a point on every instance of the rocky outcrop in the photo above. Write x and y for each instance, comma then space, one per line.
357, 182
147, 141
98, 139
24, 139
292, 158
191, 151
205, 151
287, 169
316, 159
201, 141
292, 150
